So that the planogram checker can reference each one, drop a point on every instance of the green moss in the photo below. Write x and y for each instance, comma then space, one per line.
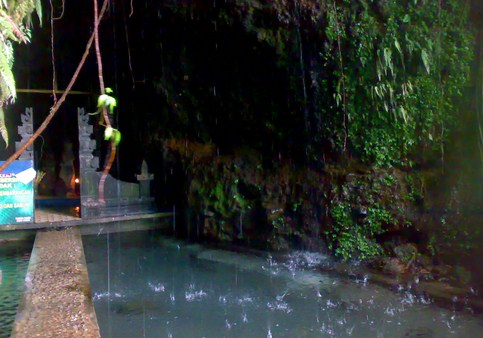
364, 208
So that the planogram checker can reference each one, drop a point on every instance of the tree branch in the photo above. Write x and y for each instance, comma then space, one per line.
59, 103
107, 121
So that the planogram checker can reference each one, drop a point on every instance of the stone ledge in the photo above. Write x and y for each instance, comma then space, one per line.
57, 299
154, 217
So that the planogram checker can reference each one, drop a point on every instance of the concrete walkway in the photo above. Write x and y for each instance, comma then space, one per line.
53, 215
57, 299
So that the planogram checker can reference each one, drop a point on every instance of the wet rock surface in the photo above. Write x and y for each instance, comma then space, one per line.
57, 300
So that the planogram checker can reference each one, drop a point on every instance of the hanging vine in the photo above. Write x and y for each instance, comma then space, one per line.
106, 105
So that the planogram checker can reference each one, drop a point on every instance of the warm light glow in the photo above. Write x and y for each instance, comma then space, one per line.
76, 180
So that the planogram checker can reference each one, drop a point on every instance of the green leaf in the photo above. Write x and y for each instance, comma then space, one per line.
388, 59
7, 78
108, 90
404, 114
112, 104
108, 133
117, 137
101, 101
3, 127
398, 46
107, 101
378, 93
379, 71
426, 60
38, 10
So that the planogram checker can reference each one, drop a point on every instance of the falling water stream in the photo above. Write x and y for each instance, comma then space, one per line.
153, 286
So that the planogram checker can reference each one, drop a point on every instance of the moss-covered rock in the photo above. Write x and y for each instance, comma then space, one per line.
345, 209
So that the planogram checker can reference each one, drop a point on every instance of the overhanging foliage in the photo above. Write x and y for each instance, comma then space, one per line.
15, 23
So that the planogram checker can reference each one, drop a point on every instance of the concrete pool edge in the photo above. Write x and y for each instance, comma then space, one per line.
57, 301
84, 222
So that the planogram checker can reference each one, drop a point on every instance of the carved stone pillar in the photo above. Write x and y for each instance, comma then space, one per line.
144, 179
26, 130
88, 165
87, 161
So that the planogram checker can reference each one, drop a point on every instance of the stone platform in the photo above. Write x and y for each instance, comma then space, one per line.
57, 300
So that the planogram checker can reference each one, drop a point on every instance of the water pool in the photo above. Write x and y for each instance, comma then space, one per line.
14, 260
145, 285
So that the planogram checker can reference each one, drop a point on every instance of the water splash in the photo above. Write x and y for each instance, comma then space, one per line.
327, 329
305, 259
390, 311
273, 267
245, 300
107, 295
156, 287
282, 296
363, 281
244, 318
350, 330
342, 321
425, 300
194, 295
270, 260
279, 305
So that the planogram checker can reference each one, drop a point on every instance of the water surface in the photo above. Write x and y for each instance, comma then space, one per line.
14, 260
145, 285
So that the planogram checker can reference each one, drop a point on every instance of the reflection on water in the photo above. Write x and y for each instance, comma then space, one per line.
14, 259
157, 287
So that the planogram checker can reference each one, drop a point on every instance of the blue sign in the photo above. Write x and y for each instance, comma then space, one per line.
17, 193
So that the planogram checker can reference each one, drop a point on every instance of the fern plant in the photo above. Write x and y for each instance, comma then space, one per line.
15, 24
